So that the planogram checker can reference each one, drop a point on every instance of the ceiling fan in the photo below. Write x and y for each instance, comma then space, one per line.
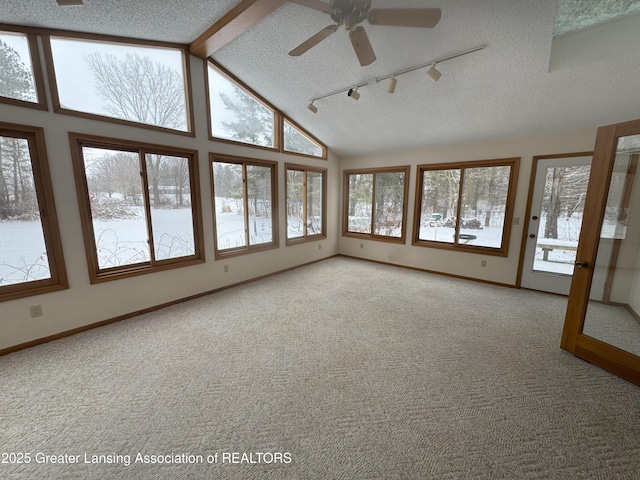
349, 13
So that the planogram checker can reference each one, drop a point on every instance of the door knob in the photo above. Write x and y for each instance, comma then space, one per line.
582, 264
535, 217
532, 236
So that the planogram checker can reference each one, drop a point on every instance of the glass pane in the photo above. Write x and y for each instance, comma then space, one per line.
129, 82
171, 213
614, 299
117, 206
484, 202
439, 205
298, 142
565, 190
314, 203
360, 203
16, 74
236, 115
295, 207
389, 204
229, 204
260, 206
23, 253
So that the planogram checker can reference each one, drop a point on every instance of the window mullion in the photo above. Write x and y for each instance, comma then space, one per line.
373, 204
305, 200
245, 201
147, 203
456, 234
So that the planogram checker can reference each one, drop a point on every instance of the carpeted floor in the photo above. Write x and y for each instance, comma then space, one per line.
343, 369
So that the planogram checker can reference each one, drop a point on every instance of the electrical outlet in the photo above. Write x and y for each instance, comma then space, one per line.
483, 263
319, 246
516, 220
362, 245
35, 310
226, 269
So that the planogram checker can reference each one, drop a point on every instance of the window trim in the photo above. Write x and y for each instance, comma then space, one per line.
97, 274
248, 248
306, 134
36, 66
503, 251
53, 83
345, 195
48, 217
305, 237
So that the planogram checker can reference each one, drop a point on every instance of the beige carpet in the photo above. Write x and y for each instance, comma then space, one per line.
343, 370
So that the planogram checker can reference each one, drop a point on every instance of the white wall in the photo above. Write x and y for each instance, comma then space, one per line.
499, 269
83, 304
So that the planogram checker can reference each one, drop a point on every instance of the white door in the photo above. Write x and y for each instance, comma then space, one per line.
555, 219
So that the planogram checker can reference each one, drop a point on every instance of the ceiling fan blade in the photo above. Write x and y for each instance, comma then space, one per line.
405, 17
315, 4
313, 41
362, 46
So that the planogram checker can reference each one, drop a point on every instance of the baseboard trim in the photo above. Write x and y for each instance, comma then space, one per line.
126, 316
435, 272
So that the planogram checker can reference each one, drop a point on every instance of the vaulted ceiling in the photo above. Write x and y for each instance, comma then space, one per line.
504, 90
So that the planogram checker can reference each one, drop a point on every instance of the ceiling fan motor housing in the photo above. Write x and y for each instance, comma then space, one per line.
350, 12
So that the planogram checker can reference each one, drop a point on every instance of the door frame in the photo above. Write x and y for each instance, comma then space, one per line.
527, 217
615, 360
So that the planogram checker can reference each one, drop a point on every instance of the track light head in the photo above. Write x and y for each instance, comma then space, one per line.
312, 108
393, 81
433, 73
353, 93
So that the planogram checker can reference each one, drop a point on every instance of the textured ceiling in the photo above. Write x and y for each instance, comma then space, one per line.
502, 91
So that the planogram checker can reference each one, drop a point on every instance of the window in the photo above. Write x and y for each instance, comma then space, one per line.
236, 114
31, 260
20, 75
306, 203
140, 206
135, 84
375, 203
245, 205
466, 206
298, 141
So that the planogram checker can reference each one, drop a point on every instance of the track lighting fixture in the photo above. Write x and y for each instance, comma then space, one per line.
433, 73
393, 81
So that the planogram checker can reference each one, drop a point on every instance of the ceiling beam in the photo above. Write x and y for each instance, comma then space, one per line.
238, 20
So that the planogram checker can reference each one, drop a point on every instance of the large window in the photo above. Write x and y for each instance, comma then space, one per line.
31, 260
375, 203
20, 75
466, 206
245, 206
140, 84
306, 203
236, 114
140, 206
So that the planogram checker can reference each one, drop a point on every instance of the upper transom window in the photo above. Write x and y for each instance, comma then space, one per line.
298, 141
238, 115
133, 83
18, 82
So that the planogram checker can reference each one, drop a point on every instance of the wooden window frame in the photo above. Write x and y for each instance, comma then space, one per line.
503, 251
306, 237
48, 217
278, 117
97, 274
53, 84
306, 134
244, 162
36, 68
345, 214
